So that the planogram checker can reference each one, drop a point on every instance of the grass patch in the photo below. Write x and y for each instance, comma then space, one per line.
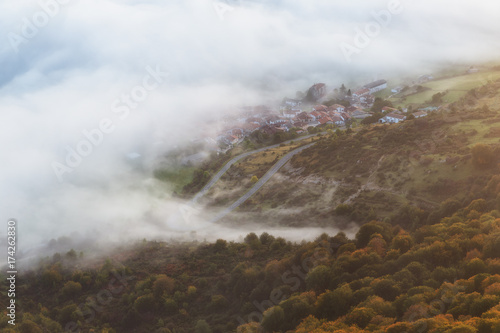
457, 87
178, 178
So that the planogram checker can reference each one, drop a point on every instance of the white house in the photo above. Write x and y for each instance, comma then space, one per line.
392, 118
291, 102
419, 114
273, 120
291, 113
376, 86
337, 107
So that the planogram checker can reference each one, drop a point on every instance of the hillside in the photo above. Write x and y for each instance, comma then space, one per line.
424, 195
379, 171
441, 277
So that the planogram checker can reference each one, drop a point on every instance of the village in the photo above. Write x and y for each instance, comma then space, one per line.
319, 109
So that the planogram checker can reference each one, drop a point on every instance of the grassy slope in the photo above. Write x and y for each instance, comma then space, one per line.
457, 87
381, 169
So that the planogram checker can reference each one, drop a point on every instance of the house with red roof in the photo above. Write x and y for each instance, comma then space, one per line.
361, 92
337, 107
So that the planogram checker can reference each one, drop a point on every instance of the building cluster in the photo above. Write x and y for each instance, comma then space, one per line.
299, 115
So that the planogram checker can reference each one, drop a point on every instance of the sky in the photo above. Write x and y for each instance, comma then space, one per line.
138, 75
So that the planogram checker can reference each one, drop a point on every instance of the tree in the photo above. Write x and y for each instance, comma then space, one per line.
273, 319
145, 303
202, 327
364, 234
482, 156
220, 245
218, 302
319, 278
254, 179
28, 326
343, 90
71, 289
162, 285
379, 104
360, 316
333, 304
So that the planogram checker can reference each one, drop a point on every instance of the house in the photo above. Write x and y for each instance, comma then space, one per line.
317, 91
337, 120
472, 70
345, 116
304, 117
300, 124
392, 118
367, 99
230, 139
419, 114
425, 78
360, 114
396, 90
361, 92
291, 103
337, 107
319, 108
375, 86
430, 109
289, 114
325, 120
315, 114
273, 120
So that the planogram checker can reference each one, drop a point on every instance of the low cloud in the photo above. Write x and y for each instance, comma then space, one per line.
65, 79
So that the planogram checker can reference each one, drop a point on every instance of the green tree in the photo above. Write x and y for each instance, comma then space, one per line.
273, 319
71, 289
364, 233
163, 284
318, 279
202, 327
145, 303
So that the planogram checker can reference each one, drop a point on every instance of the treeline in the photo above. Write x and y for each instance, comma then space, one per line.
442, 276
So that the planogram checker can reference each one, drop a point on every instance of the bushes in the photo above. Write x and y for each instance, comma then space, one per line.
273, 319
145, 303
367, 230
483, 156
71, 289
318, 279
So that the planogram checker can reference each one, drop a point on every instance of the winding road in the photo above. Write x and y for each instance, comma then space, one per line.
261, 181
229, 164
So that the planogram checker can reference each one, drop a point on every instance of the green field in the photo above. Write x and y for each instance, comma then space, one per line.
457, 87
178, 177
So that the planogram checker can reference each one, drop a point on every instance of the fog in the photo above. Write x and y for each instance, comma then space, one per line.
68, 66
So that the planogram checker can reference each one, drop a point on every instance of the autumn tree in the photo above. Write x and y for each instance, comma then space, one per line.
482, 155
273, 319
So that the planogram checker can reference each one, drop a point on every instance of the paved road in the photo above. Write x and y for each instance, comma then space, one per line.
261, 182
226, 167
